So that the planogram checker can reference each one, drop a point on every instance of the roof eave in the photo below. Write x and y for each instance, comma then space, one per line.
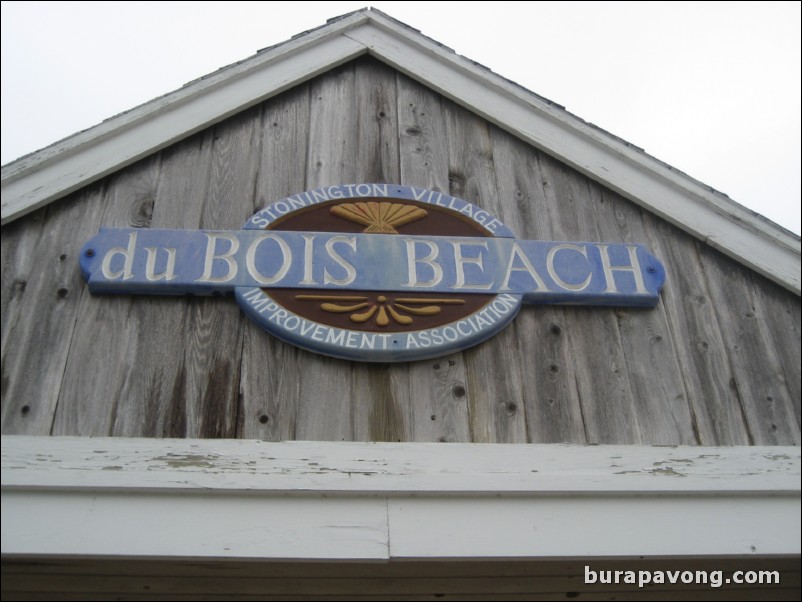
52, 173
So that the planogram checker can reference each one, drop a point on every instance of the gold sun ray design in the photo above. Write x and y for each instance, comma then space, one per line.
382, 308
379, 218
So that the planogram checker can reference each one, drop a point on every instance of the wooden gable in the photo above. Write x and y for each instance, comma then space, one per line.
716, 363
166, 446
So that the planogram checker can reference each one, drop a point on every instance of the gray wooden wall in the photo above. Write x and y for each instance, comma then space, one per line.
716, 363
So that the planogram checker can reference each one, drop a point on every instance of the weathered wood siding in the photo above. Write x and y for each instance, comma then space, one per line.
716, 363
507, 580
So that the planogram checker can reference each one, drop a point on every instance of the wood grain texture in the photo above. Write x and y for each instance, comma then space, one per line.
305, 585
160, 326
437, 387
100, 370
769, 595
213, 349
783, 317
42, 292
271, 369
661, 404
758, 374
426, 580
603, 386
503, 569
717, 362
697, 339
324, 388
620, 166
548, 380
493, 369
163, 330
19, 244
380, 395
460, 470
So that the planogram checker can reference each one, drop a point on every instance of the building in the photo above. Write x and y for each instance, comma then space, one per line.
166, 447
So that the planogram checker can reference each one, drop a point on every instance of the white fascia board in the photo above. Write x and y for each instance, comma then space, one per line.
51, 173
710, 216
42, 177
183, 498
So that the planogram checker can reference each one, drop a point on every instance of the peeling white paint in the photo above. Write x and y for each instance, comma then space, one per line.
317, 500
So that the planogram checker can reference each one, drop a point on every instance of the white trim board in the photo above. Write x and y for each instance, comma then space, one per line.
180, 498
66, 166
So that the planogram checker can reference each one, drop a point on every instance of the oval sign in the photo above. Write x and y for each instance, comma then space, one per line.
373, 272
378, 325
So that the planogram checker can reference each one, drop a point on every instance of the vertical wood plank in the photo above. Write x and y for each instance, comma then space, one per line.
271, 369
42, 291
184, 360
758, 374
324, 405
437, 410
153, 399
100, 367
19, 242
380, 396
783, 317
423, 163
377, 149
603, 387
547, 363
700, 350
661, 404
213, 349
493, 370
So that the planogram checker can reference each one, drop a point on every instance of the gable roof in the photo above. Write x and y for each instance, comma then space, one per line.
52, 173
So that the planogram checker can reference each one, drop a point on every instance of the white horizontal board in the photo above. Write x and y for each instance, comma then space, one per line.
596, 526
391, 468
177, 526
152, 498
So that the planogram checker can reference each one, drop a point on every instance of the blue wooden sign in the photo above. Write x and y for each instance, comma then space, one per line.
373, 272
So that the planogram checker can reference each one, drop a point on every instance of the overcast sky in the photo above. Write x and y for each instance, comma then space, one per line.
710, 88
